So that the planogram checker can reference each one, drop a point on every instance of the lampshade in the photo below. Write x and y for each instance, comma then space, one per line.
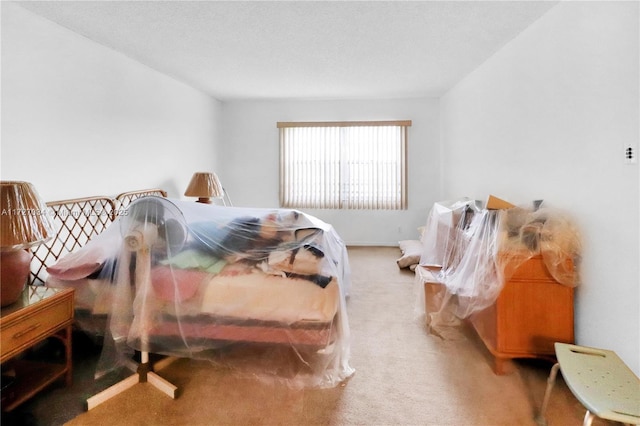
204, 185
24, 222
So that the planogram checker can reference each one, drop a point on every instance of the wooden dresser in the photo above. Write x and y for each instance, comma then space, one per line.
40, 313
532, 312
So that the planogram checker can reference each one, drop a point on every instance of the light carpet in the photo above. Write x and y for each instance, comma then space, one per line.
404, 376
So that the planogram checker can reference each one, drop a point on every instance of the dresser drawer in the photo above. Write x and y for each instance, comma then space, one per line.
532, 316
19, 334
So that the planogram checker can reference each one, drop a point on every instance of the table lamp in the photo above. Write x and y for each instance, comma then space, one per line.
204, 185
24, 223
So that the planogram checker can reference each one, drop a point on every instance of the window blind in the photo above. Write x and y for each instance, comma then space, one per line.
343, 165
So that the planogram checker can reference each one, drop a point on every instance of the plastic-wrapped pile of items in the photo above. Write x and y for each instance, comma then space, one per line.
469, 252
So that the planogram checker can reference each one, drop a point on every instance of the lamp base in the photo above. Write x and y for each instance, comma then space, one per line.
204, 200
14, 272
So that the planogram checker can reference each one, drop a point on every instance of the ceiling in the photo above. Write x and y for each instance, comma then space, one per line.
303, 49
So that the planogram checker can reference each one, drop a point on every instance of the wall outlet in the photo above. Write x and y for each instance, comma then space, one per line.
630, 153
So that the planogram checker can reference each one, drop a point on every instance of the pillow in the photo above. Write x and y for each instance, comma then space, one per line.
411, 252
78, 265
88, 261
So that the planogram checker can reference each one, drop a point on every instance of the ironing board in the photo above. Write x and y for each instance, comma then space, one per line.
600, 380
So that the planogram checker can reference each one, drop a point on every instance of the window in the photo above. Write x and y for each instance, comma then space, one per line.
343, 165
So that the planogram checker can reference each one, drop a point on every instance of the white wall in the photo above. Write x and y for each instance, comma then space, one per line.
250, 152
80, 119
547, 117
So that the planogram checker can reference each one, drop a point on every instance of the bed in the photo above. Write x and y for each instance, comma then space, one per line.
261, 291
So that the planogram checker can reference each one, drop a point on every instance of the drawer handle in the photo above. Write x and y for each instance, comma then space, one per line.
26, 331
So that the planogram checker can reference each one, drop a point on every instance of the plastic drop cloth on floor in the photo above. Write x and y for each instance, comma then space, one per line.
260, 292
470, 252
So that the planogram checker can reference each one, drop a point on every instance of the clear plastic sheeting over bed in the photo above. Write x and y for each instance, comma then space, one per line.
470, 252
259, 291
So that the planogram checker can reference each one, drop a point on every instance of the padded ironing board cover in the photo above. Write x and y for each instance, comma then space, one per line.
601, 381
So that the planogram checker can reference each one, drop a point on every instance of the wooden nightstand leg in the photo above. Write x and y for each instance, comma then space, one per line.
69, 355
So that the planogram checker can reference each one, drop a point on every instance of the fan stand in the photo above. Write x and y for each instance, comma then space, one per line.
144, 374
140, 241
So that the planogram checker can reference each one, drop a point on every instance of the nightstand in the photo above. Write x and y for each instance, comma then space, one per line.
40, 313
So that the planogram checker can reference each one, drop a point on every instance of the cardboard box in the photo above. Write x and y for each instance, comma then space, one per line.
495, 203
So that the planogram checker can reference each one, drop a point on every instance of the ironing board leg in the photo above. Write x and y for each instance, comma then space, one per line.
547, 394
588, 418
